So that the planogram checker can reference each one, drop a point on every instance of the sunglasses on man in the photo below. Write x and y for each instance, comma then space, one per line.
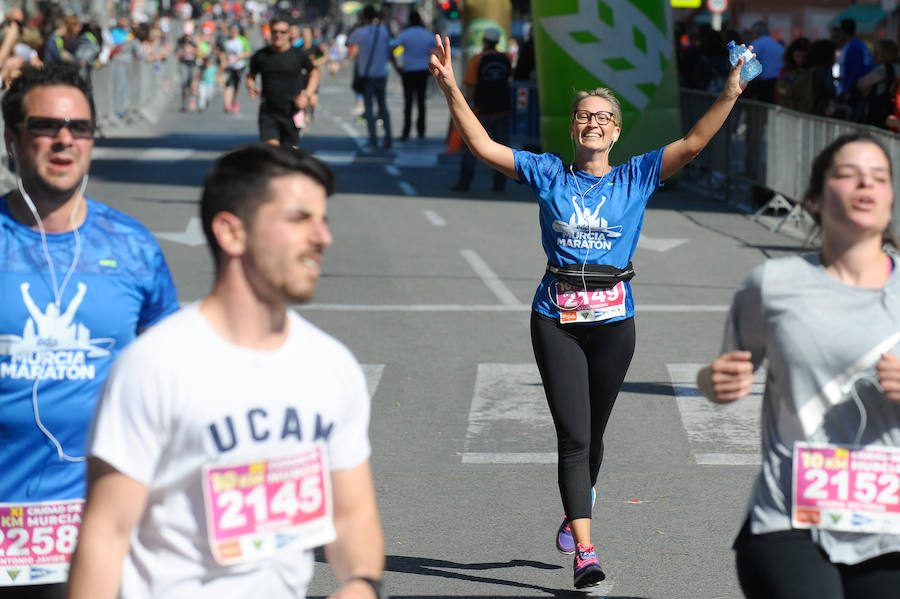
48, 126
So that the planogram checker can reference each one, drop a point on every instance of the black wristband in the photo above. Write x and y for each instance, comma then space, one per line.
377, 586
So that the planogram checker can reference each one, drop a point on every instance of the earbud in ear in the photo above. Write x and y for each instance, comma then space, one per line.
12, 150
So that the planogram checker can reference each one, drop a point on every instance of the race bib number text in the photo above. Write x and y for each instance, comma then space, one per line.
37, 541
839, 488
589, 305
253, 510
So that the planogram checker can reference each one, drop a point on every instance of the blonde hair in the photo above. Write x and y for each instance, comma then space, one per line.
604, 93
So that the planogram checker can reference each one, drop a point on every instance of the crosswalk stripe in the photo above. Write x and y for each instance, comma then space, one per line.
719, 434
509, 422
152, 154
333, 158
165, 154
490, 278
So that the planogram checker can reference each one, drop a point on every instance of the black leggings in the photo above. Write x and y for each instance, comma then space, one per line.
34, 591
582, 367
789, 565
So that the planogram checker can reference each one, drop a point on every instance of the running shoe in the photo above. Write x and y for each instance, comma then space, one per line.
587, 568
565, 542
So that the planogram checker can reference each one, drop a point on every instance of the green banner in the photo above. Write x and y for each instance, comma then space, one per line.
625, 45
480, 15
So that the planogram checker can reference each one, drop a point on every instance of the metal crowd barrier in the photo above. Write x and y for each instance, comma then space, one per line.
127, 92
773, 147
142, 98
525, 116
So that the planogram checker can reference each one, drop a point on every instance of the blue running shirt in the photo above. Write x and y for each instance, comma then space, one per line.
121, 285
602, 227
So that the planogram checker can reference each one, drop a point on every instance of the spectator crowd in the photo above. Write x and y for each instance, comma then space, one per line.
841, 76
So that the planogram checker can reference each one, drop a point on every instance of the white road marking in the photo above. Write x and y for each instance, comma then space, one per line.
509, 422
350, 129
392, 170
673, 308
658, 244
336, 157
407, 188
509, 458
191, 236
601, 590
434, 218
165, 154
355, 135
489, 278
373, 374
152, 154
719, 434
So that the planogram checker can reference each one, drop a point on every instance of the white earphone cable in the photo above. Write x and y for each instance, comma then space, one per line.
584, 285
57, 292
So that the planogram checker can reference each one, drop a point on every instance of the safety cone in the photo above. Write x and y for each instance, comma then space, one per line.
454, 141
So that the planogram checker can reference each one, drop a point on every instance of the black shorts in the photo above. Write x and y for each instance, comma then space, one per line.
277, 125
233, 78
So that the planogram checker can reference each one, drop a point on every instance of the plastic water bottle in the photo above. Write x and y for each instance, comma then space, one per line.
751, 67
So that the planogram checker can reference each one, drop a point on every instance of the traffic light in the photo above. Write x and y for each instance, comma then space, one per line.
450, 8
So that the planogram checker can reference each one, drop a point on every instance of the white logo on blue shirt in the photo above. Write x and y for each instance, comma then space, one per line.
586, 229
52, 344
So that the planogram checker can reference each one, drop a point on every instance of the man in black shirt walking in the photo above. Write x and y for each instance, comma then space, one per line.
289, 80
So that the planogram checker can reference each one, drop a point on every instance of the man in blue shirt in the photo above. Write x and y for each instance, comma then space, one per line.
373, 53
418, 44
78, 282
855, 61
770, 54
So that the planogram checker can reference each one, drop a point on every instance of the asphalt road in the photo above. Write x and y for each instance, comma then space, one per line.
431, 290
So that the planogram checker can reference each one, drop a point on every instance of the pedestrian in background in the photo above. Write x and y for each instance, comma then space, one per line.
770, 54
878, 87
487, 92
373, 52
855, 61
418, 45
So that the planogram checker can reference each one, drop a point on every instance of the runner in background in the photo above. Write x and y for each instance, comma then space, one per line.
78, 282
289, 79
582, 325
186, 51
233, 439
317, 53
236, 50
833, 380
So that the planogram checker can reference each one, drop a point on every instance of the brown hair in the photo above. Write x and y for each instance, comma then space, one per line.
819, 170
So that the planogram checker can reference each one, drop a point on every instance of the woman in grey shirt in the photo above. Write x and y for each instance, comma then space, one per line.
824, 515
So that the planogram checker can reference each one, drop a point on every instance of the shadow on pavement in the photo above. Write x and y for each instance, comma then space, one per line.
443, 569
647, 388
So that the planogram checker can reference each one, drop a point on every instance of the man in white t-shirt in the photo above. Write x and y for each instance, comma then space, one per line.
231, 439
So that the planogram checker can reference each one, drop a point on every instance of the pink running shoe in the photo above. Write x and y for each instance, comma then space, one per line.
587, 568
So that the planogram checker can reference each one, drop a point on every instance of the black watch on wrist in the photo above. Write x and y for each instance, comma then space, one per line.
376, 584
